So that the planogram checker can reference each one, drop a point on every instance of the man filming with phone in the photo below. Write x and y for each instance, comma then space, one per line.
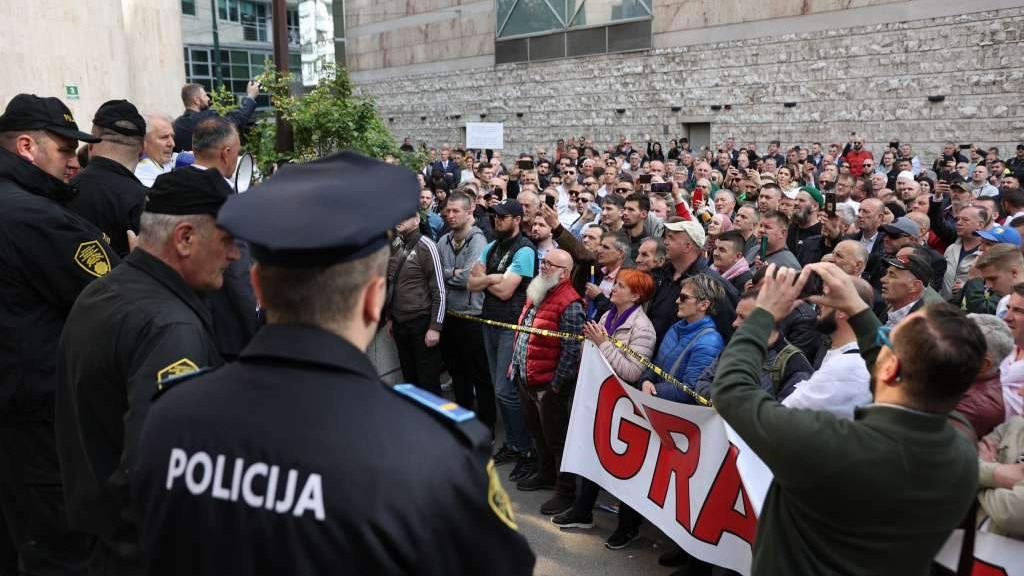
906, 477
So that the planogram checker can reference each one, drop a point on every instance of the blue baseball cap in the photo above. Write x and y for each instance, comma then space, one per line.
1000, 235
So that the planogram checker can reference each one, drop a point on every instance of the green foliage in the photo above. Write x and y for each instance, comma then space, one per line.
327, 119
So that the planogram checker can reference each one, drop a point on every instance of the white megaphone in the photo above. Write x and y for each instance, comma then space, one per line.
244, 172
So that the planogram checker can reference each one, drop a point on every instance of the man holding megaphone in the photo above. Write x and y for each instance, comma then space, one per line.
216, 144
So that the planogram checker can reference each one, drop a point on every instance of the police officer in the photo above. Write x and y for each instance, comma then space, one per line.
109, 194
296, 459
129, 332
47, 256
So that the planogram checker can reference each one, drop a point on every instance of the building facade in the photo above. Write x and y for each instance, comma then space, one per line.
245, 36
89, 52
802, 71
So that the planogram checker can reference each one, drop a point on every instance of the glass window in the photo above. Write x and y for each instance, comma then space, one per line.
293, 26
227, 10
254, 21
591, 12
200, 55
520, 17
188, 7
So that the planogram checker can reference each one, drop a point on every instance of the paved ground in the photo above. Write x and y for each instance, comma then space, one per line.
559, 552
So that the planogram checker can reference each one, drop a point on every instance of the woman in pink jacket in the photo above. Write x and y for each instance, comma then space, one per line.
628, 323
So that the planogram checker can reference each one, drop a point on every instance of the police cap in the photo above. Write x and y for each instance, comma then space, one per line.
188, 191
31, 112
336, 209
114, 111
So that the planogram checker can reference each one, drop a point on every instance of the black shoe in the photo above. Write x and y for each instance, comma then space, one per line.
675, 557
556, 505
536, 482
505, 454
571, 519
620, 539
525, 468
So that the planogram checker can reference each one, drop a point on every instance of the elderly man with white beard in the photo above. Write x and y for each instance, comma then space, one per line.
544, 369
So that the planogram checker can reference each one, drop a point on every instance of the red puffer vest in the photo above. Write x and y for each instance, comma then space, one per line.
543, 352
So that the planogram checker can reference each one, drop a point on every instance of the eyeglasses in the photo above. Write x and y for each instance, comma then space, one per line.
882, 337
684, 297
623, 190
569, 172
868, 164
549, 264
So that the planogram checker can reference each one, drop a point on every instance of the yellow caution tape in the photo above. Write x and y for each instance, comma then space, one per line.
643, 360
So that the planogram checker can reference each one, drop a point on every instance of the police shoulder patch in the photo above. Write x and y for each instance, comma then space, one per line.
179, 368
91, 257
169, 382
454, 416
498, 499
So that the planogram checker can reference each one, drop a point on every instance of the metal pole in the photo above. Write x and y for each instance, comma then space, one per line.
217, 76
280, 32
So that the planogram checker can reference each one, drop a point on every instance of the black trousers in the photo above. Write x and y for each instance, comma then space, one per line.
547, 419
33, 499
420, 365
586, 497
462, 348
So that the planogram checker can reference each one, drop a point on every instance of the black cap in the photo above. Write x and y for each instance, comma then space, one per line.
336, 209
920, 267
31, 112
188, 191
508, 207
113, 111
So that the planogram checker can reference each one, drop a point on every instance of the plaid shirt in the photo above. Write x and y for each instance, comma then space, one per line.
572, 321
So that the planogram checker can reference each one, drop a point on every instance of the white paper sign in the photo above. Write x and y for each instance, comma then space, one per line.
485, 135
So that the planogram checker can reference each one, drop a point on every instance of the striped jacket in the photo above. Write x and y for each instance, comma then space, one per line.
418, 290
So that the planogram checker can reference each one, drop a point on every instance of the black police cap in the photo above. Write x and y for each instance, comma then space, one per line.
336, 209
114, 111
188, 190
31, 112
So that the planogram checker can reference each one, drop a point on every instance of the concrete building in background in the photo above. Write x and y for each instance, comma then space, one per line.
89, 52
919, 71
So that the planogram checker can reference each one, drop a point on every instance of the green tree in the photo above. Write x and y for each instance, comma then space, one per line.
327, 119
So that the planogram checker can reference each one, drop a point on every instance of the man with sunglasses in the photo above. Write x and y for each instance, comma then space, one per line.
900, 478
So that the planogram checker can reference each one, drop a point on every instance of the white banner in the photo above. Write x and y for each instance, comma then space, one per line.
485, 135
671, 462
682, 468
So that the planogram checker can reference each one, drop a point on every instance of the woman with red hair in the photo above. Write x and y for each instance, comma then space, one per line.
628, 323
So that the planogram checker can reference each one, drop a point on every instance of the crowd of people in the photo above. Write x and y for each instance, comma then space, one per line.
172, 349
670, 250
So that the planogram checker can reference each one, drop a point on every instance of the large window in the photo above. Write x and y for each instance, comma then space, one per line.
227, 10
293, 26
188, 7
254, 21
533, 30
237, 68
526, 17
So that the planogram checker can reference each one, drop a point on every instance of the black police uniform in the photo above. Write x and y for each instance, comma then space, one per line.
127, 333
47, 256
111, 197
297, 459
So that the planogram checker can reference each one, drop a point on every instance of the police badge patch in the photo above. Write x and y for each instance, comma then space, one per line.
92, 258
498, 498
183, 366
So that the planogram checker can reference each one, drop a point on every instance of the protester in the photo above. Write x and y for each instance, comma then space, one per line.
1011, 370
898, 445
197, 108
462, 341
1001, 479
157, 149
960, 256
775, 228
982, 405
500, 273
544, 369
691, 344
729, 261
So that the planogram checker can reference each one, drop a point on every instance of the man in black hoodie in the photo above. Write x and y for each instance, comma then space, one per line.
47, 256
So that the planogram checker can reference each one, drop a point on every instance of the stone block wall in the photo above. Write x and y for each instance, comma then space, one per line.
873, 79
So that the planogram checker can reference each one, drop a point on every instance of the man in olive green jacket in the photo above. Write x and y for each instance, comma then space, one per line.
878, 495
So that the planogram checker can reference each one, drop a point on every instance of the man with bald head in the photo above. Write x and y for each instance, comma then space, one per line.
850, 256
869, 222
544, 370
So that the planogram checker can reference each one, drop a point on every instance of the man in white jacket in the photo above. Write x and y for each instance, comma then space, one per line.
843, 382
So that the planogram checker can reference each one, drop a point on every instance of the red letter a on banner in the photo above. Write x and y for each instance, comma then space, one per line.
718, 514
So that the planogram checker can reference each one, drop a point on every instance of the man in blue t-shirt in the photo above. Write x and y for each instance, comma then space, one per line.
504, 271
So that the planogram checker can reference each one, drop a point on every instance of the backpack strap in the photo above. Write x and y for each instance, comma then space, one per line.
778, 368
690, 344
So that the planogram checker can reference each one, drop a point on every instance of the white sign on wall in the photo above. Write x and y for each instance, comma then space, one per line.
485, 135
